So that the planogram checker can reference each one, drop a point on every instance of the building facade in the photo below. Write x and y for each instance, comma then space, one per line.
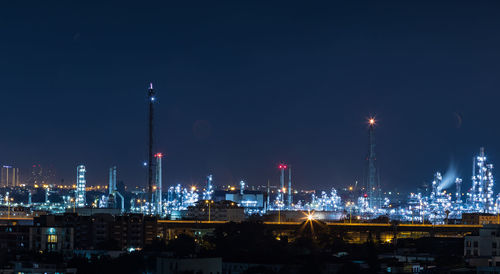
483, 249
51, 239
105, 231
480, 218
14, 238
206, 210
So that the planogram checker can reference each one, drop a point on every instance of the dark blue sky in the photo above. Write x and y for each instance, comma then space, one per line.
243, 85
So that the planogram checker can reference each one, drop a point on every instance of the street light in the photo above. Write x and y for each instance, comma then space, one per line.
8, 205
310, 216
209, 202
350, 204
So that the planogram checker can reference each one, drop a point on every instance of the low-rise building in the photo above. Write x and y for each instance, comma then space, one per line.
98, 231
134, 230
55, 239
215, 211
14, 238
248, 199
480, 218
189, 265
89, 211
33, 267
483, 249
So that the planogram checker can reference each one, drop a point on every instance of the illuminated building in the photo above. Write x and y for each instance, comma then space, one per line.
80, 200
250, 199
9, 176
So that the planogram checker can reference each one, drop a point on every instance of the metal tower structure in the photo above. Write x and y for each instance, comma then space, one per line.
436, 192
113, 191
159, 202
373, 184
458, 188
47, 192
471, 193
482, 199
207, 195
80, 200
242, 188
152, 99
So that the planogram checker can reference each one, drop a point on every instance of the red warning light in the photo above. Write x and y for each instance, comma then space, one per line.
158, 155
366, 195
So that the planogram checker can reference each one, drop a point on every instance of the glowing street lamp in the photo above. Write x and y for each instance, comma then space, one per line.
310, 216
209, 202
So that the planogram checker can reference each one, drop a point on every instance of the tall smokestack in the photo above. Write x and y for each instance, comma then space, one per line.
112, 180
290, 187
159, 202
373, 185
268, 195
110, 184
282, 168
152, 99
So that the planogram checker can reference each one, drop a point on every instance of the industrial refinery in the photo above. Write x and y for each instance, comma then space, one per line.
249, 137
441, 201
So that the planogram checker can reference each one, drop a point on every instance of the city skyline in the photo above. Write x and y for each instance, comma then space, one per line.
278, 84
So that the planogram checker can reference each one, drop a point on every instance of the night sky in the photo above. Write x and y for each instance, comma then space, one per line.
243, 85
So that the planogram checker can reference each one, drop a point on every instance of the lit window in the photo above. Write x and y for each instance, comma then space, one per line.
51, 238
